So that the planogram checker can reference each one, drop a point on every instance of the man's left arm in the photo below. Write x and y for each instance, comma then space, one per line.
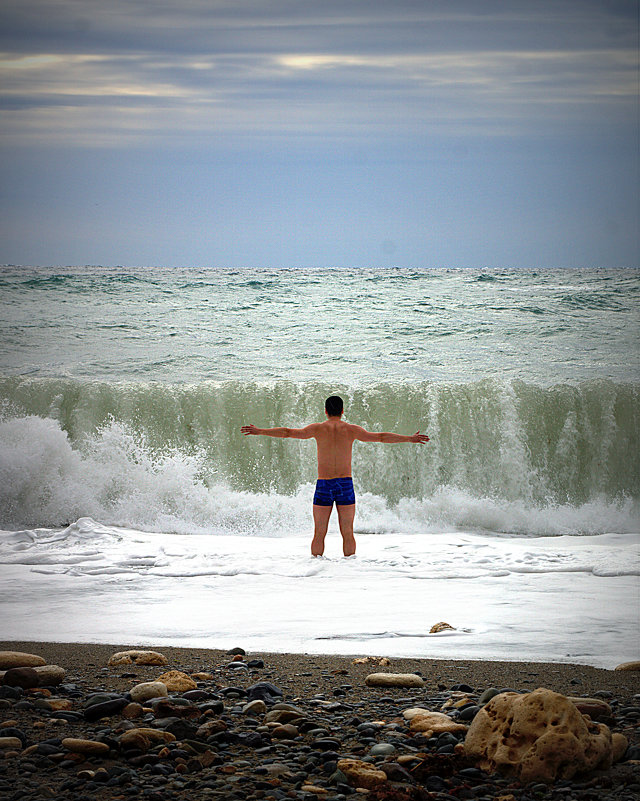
388, 437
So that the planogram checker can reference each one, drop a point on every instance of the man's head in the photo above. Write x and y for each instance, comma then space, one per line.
333, 406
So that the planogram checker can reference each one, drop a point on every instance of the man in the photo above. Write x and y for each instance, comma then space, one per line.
334, 439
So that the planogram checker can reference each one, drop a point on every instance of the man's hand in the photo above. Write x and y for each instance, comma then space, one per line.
250, 429
421, 438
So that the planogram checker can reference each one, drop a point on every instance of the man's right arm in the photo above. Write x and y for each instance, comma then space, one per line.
295, 433
388, 437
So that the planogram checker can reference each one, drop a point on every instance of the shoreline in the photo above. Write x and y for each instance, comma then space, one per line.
563, 677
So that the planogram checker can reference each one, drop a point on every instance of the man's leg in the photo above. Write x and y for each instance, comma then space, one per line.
321, 515
346, 513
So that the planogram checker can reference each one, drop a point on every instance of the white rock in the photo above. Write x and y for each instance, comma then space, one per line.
148, 689
394, 680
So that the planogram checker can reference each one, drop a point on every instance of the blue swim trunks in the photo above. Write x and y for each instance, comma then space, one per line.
334, 490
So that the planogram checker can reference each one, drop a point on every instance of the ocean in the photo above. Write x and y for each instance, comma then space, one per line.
133, 510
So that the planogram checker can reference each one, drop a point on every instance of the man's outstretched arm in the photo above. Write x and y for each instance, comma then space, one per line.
295, 433
388, 437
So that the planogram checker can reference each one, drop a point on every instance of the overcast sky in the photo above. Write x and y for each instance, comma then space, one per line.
296, 133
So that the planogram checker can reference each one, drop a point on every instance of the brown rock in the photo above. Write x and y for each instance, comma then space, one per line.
24, 677
10, 744
394, 680
380, 661
59, 704
202, 676
594, 707
165, 709
285, 731
629, 666
211, 727
177, 682
13, 659
144, 738
283, 715
619, 745
430, 723
85, 747
132, 711
438, 627
362, 774
137, 657
257, 707
540, 737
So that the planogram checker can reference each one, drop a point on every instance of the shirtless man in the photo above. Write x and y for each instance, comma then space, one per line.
334, 439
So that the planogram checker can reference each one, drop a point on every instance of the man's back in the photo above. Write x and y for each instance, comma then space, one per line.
334, 439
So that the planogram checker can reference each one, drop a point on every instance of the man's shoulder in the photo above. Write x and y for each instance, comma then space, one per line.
352, 429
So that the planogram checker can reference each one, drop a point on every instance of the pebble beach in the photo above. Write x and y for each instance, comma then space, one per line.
276, 726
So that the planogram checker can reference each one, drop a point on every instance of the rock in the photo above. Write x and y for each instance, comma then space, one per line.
361, 774
85, 747
165, 709
283, 715
236, 652
132, 711
629, 666
381, 661
147, 690
382, 749
135, 657
202, 676
487, 695
13, 731
177, 682
394, 680
438, 627
24, 677
59, 704
285, 731
211, 727
430, 723
144, 738
50, 675
256, 707
264, 691
538, 737
594, 707
619, 745
10, 744
105, 709
14, 659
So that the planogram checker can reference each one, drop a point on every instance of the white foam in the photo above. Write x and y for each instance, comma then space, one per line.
549, 599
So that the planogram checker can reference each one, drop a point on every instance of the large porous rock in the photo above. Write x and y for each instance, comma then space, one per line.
540, 736
394, 680
362, 774
629, 666
13, 659
137, 658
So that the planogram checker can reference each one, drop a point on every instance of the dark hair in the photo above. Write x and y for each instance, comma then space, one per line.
334, 406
